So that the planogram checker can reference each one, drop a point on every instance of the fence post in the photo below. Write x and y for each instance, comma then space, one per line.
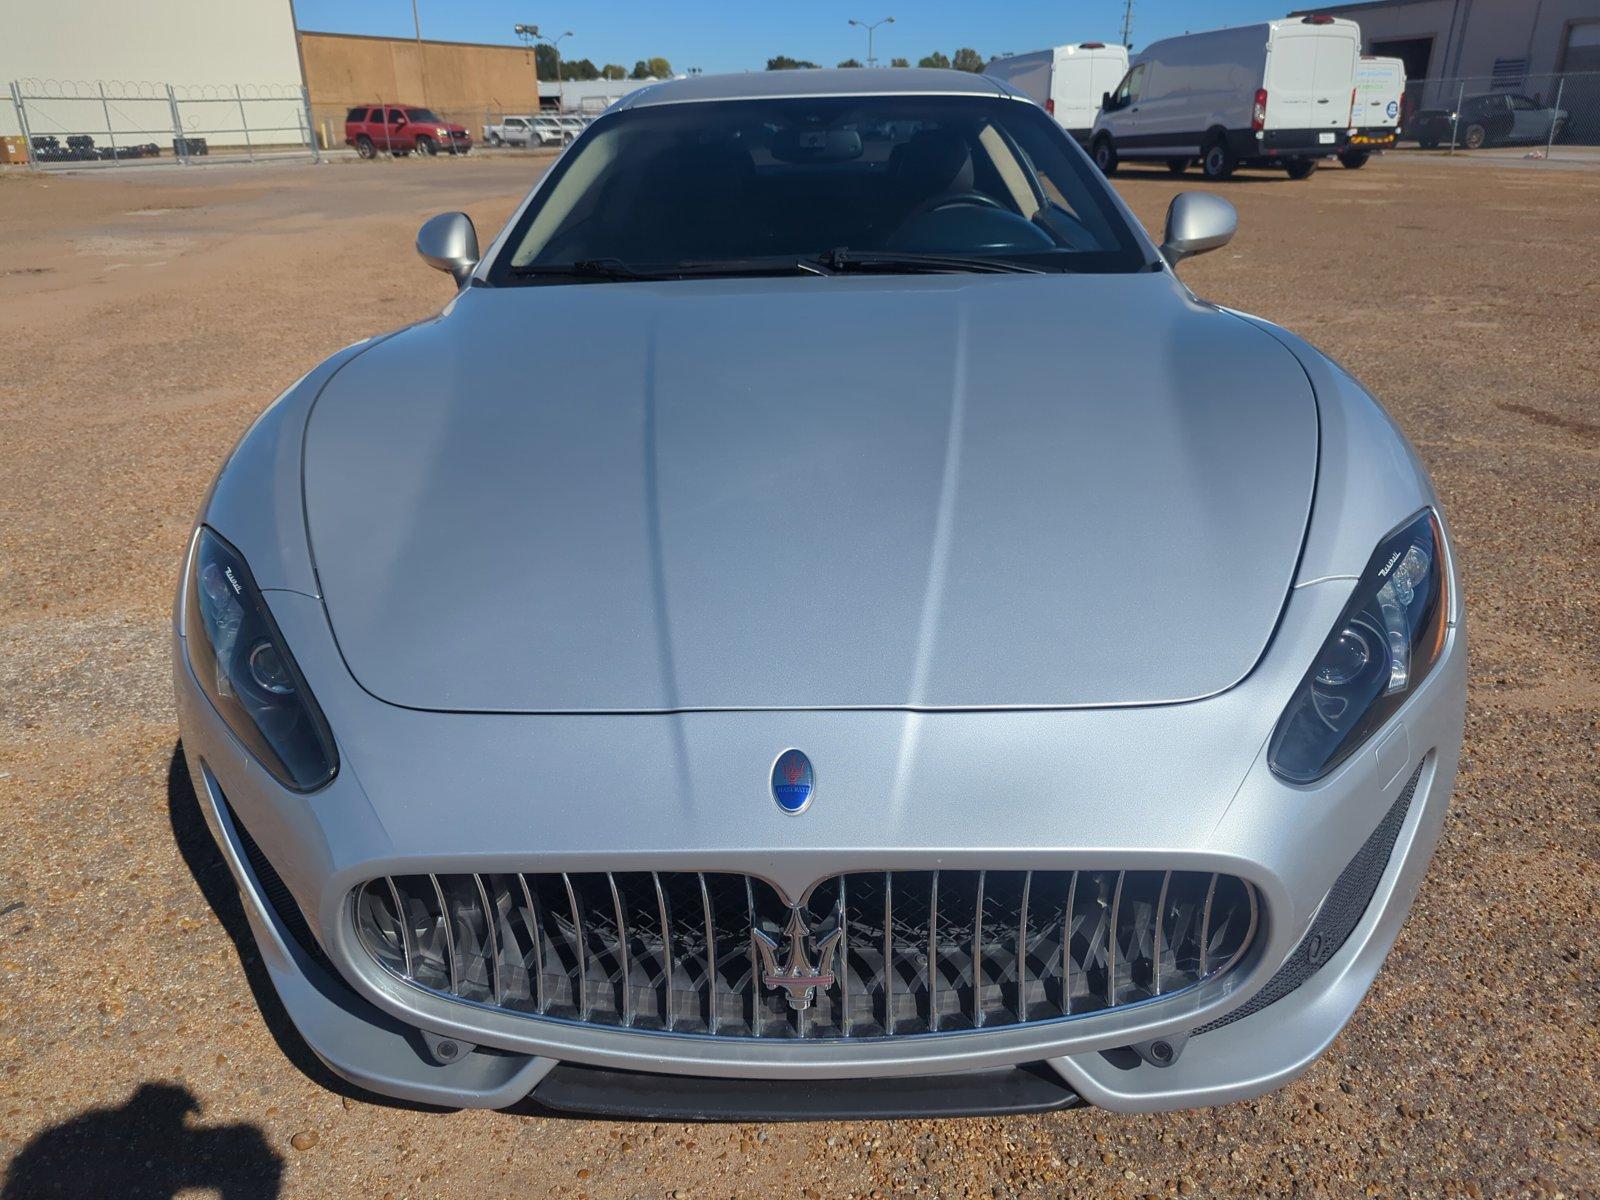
105, 110
180, 144
1555, 115
22, 123
238, 97
1455, 121
311, 129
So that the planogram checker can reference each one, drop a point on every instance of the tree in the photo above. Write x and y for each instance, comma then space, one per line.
899, 62
613, 71
783, 62
935, 59
660, 68
968, 59
641, 70
544, 60
851, 62
578, 69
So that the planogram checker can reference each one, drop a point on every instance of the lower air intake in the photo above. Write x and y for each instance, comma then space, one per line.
876, 954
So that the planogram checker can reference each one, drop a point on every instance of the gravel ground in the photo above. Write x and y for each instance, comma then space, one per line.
144, 319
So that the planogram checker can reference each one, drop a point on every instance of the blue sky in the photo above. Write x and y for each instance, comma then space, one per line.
720, 36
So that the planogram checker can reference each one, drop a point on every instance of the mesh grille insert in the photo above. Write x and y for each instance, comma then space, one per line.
870, 954
1341, 912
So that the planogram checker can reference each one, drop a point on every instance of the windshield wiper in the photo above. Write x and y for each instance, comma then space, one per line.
584, 268
890, 262
615, 268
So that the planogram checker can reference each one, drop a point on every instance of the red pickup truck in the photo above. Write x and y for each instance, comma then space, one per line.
400, 129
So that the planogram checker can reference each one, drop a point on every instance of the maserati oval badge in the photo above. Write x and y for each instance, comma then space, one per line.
792, 783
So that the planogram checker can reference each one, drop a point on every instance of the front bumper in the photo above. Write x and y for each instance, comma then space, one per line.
1180, 786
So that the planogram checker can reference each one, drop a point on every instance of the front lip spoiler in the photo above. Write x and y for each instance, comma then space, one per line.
636, 1095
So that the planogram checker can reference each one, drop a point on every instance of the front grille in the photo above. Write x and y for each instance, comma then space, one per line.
915, 952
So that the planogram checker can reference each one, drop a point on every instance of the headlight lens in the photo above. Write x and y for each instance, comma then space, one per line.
1385, 643
241, 661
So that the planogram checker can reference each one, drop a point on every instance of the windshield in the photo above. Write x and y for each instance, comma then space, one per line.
421, 114
738, 184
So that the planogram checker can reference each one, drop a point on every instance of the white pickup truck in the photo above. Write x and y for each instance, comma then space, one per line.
526, 131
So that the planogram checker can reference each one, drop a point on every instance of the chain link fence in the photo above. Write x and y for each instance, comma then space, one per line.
75, 123
1555, 116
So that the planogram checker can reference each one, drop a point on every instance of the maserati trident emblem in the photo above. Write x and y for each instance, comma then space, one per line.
797, 978
792, 782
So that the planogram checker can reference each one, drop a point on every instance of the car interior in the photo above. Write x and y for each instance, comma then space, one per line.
792, 178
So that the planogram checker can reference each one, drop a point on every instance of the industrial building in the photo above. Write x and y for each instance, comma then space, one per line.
1506, 41
470, 82
69, 51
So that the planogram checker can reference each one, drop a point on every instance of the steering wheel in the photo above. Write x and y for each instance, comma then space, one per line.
940, 203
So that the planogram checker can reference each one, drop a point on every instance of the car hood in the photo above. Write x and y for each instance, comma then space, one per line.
929, 492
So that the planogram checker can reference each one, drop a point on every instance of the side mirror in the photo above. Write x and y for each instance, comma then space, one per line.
1105, 101
448, 242
1196, 222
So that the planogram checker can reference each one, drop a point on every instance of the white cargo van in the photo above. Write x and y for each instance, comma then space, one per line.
1375, 119
1275, 94
1068, 81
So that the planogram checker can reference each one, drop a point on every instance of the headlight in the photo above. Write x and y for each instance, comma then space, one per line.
1385, 643
241, 661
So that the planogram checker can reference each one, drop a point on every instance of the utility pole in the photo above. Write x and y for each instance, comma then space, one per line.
422, 57
1127, 23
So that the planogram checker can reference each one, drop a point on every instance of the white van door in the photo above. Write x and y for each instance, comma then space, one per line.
1069, 91
1291, 79
1334, 89
1311, 72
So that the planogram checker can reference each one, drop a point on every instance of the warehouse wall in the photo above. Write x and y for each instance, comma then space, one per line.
249, 43
457, 79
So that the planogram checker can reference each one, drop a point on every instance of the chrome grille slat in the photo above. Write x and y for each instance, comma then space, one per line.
757, 1009
658, 951
1021, 952
933, 954
407, 940
844, 964
667, 1016
713, 1023
977, 956
445, 925
579, 940
622, 949
536, 936
1111, 942
888, 952
492, 935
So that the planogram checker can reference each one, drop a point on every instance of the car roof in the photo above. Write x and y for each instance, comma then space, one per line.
862, 81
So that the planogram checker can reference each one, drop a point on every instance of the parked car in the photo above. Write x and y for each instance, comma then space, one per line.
554, 131
1375, 115
1494, 118
509, 131
922, 660
1274, 94
1068, 81
400, 129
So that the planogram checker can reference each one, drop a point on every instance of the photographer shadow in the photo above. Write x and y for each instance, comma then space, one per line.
145, 1150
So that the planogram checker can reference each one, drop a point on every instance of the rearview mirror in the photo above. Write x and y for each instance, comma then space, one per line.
1197, 222
449, 242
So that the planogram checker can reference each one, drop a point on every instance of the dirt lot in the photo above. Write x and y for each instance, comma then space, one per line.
146, 316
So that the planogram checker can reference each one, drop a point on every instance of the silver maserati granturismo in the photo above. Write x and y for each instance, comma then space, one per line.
823, 623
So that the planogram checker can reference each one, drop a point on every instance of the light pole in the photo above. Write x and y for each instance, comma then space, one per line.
870, 27
530, 34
